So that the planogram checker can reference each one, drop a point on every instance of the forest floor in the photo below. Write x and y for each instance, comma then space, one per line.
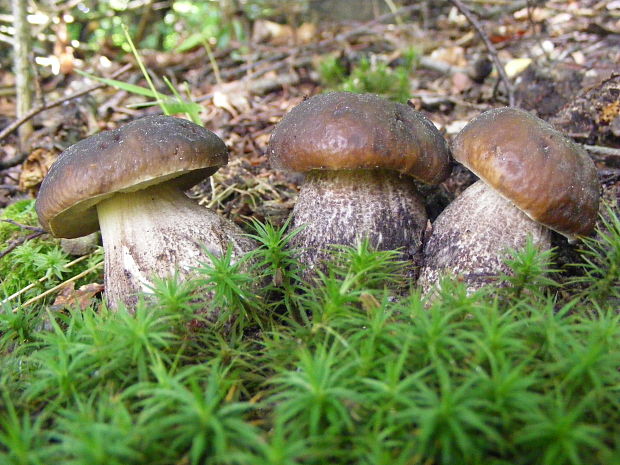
562, 61
258, 366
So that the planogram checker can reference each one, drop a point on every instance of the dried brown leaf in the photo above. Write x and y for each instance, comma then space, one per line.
81, 298
36, 167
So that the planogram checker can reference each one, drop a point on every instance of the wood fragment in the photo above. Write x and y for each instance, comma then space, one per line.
600, 150
24, 226
490, 48
22, 51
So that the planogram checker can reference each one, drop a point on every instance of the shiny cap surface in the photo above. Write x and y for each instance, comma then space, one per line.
139, 154
533, 165
345, 131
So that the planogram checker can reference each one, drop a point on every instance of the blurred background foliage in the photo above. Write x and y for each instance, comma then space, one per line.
64, 31
160, 25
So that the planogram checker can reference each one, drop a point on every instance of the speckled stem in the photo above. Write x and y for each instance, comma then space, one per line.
342, 207
471, 236
155, 231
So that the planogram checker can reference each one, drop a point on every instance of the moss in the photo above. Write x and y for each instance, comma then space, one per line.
21, 212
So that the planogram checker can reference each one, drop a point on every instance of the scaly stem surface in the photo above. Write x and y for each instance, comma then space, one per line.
343, 207
472, 235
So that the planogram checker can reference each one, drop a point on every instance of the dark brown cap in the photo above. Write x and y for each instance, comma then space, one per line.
139, 154
344, 131
534, 166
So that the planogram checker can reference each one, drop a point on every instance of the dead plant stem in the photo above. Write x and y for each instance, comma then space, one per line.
40, 280
58, 287
490, 48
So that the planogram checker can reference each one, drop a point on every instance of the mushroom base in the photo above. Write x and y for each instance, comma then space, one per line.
471, 236
156, 232
343, 207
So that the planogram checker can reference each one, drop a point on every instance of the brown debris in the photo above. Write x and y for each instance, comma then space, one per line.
70, 297
591, 115
35, 168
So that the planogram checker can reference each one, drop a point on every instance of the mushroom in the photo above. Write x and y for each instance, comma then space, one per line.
129, 182
359, 153
533, 179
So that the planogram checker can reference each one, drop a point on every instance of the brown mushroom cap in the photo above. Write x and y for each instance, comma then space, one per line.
347, 131
546, 175
139, 154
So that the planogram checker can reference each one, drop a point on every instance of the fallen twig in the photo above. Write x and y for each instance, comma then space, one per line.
441, 66
365, 26
600, 150
611, 173
40, 280
490, 48
59, 286
504, 8
24, 226
17, 242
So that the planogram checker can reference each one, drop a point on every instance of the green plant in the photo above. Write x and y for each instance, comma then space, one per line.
205, 23
22, 436
332, 71
317, 395
169, 105
371, 75
193, 405
531, 271
21, 212
100, 430
276, 264
230, 288
601, 263
35, 265
364, 376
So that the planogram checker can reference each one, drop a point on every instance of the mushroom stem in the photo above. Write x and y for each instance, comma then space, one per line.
155, 232
472, 235
343, 207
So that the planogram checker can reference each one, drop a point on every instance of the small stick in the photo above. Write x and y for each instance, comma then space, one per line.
600, 150
13, 244
24, 226
59, 286
393, 9
490, 48
40, 280
610, 172
35, 111
213, 61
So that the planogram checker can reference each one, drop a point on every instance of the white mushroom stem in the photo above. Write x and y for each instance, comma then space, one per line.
472, 235
343, 207
155, 232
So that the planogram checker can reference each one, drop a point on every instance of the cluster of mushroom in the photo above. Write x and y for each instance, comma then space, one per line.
533, 180
360, 154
